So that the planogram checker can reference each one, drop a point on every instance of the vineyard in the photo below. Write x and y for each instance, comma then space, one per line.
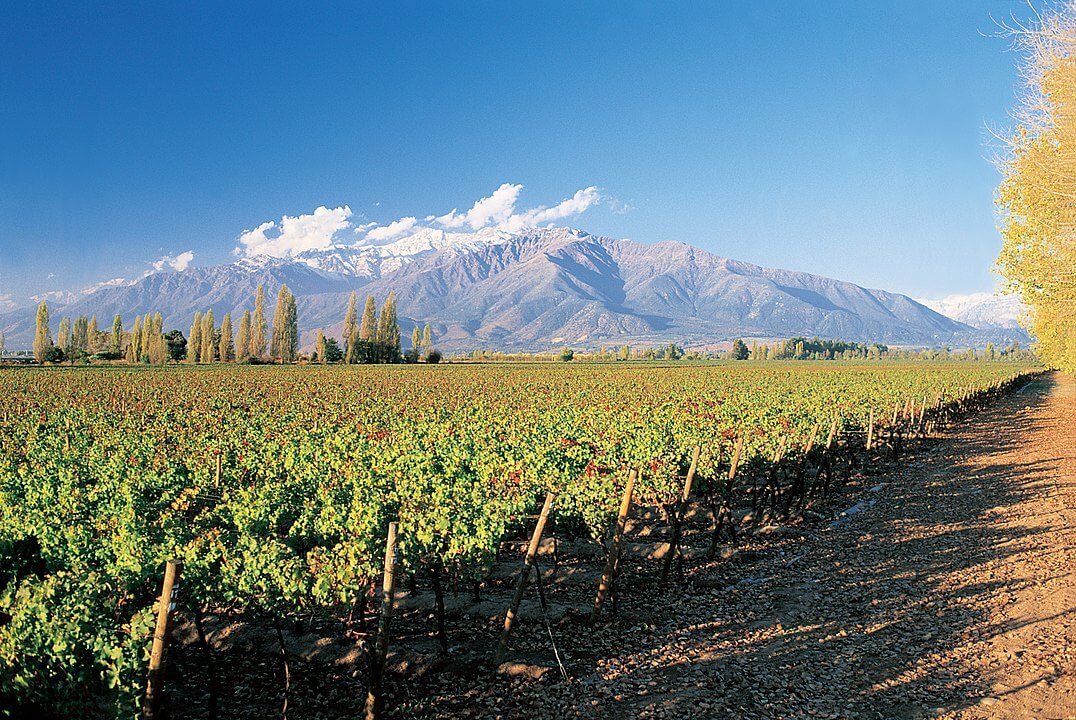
273, 488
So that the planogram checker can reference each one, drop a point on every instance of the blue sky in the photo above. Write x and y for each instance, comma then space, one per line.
831, 137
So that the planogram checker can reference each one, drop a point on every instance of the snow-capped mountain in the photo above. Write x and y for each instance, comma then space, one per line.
529, 290
981, 310
370, 259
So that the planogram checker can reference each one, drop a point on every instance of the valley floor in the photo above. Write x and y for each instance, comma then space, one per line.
953, 595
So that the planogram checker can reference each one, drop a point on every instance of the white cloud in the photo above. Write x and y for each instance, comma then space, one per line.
7, 302
295, 234
318, 231
495, 209
399, 227
570, 207
499, 210
179, 263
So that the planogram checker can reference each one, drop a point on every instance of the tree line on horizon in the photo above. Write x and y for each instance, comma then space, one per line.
797, 348
375, 340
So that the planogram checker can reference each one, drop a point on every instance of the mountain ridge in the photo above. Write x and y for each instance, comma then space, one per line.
530, 290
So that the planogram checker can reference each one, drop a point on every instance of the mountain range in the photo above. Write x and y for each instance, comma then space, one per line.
531, 290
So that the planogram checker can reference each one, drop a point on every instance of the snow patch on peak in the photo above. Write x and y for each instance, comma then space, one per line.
114, 282
981, 310
257, 263
60, 297
375, 258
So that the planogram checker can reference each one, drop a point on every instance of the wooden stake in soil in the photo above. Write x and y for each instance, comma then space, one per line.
521, 583
832, 431
155, 685
374, 699
678, 517
870, 430
614, 548
736, 452
723, 512
810, 441
691, 473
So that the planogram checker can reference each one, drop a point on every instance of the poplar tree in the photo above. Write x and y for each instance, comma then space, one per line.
227, 347
63, 336
258, 325
416, 340
80, 335
117, 335
350, 326
42, 336
92, 341
149, 326
131, 352
158, 344
146, 337
320, 347
368, 329
427, 339
194, 341
148, 350
242, 341
208, 327
285, 327
2, 344
388, 330
134, 352
354, 345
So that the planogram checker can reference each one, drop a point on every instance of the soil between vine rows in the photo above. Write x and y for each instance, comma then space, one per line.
949, 594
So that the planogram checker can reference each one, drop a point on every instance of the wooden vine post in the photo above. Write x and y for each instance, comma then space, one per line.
832, 432
737, 450
828, 456
723, 513
678, 516
524, 575
374, 699
811, 440
151, 708
870, 431
614, 548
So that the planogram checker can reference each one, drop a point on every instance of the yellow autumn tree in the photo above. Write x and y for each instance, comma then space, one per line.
1037, 197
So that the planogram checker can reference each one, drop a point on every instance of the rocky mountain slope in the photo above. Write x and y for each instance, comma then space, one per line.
530, 290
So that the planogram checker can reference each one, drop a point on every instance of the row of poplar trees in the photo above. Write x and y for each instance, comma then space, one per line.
377, 338
147, 341
1036, 197
79, 338
209, 343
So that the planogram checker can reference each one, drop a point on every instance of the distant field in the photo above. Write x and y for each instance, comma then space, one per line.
275, 485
